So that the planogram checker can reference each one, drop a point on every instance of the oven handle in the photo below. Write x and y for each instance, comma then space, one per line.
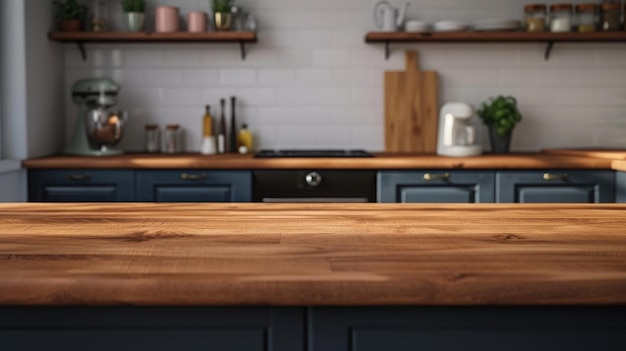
343, 200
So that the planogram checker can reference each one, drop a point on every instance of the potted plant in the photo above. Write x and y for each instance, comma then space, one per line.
135, 14
222, 14
500, 115
71, 15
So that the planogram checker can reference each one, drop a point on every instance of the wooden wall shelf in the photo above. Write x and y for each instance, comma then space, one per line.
494, 37
81, 38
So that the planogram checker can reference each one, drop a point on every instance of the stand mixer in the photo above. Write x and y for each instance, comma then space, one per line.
456, 136
98, 126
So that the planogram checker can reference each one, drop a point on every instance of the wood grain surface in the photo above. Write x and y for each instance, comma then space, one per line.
381, 161
94, 37
499, 37
619, 166
305, 254
610, 154
411, 108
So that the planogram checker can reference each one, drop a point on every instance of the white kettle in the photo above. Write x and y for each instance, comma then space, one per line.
389, 18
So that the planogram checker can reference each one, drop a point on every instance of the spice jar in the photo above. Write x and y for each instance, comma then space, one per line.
171, 139
610, 16
153, 138
586, 17
535, 20
561, 18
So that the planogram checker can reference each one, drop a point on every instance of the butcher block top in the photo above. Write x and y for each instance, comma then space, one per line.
311, 255
381, 161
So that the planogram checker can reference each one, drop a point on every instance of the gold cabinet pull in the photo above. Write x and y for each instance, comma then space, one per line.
432, 177
186, 176
78, 177
551, 177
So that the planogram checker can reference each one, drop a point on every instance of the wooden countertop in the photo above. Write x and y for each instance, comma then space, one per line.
306, 254
381, 161
609, 154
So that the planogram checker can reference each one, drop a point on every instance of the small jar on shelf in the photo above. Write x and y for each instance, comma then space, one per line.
586, 18
610, 17
535, 19
561, 18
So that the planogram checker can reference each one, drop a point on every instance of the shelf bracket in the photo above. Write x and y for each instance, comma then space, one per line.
387, 50
242, 46
81, 47
549, 48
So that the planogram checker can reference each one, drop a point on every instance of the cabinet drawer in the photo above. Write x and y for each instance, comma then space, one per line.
555, 186
81, 185
194, 186
436, 186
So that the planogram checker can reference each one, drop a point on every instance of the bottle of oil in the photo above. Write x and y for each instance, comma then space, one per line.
244, 140
208, 140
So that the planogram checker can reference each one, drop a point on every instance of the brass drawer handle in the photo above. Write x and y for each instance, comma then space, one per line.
186, 176
432, 177
550, 177
78, 177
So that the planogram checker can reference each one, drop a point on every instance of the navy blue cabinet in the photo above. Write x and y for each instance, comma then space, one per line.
154, 329
620, 187
441, 186
555, 186
194, 186
78, 185
466, 328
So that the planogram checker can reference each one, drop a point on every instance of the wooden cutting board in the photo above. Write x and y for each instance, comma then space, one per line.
411, 108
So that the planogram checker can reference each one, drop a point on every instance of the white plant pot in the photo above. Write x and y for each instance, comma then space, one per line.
135, 21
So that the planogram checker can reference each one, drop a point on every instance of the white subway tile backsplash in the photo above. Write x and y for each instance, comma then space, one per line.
277, 76
332, 57
237, 76
313, 76
201, 77
311, 81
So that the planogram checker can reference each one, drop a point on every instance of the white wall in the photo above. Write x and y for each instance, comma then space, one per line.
311, 81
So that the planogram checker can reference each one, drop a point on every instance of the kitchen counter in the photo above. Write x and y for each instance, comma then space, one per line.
310, 255
381, 161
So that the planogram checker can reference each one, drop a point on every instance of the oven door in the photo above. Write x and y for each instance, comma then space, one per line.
314, 186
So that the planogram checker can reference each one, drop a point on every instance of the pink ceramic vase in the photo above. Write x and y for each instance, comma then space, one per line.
167, 18
196, 22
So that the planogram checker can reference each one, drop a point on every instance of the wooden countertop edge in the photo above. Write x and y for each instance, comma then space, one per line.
312, 254
380, 162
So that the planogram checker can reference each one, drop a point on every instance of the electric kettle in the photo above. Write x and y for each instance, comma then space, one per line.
389, 18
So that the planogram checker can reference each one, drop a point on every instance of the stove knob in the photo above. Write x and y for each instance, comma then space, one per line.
313, 179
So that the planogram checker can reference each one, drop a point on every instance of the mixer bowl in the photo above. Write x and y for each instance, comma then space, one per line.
105, 128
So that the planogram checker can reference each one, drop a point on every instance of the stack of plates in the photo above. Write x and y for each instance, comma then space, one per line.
450, 26
496, 25
417, 26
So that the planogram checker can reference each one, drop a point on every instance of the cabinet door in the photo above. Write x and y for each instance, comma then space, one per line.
555, 186
194, 186
81, 185
436, 187
153, 329
620, 188
466, 328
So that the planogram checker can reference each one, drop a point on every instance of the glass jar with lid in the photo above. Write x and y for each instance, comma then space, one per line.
535, 19
610, 17
561, 18
586, 17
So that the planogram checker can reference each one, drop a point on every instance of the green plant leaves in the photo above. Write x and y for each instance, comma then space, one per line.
134, 6
70, 10
500, 112
222, 5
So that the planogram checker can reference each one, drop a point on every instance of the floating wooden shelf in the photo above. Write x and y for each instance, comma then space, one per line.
494, 37
146, 37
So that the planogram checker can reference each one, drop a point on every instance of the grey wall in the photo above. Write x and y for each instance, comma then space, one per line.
44, 82
32, 83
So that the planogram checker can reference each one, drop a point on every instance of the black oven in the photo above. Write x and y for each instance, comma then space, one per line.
322, 186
